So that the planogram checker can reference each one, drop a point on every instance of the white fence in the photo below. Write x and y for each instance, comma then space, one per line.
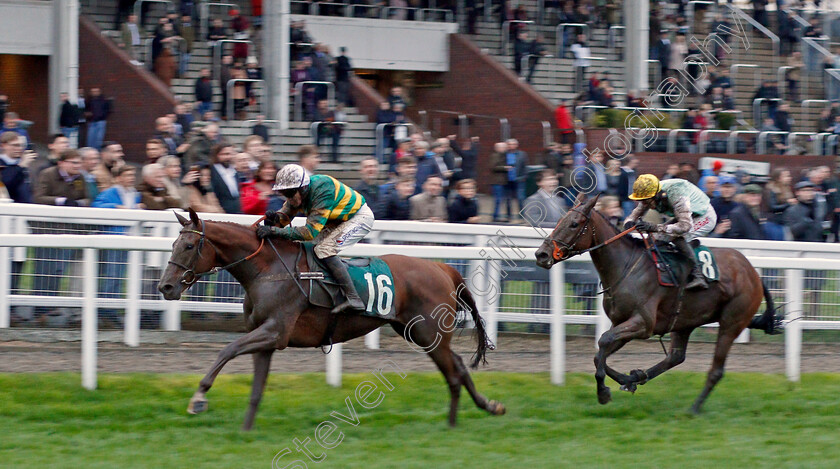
486, 254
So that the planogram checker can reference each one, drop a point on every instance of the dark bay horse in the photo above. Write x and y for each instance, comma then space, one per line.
278, 315
639, 307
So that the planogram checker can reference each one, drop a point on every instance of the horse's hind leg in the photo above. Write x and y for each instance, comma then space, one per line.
610, 341
724, 342
493, 407
263, 338
262, 363
676, 355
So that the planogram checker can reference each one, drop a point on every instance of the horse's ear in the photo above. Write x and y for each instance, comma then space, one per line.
580, 198
591, 202
194, 217
183, 221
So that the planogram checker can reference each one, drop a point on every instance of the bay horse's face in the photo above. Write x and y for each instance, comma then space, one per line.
191, 255
573, 233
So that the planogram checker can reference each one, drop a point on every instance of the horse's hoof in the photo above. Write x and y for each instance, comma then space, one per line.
197, 405
604, 396
496, 408
629, 387
639, 376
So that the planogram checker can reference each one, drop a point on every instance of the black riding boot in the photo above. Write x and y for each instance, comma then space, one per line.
339, 272
698, 280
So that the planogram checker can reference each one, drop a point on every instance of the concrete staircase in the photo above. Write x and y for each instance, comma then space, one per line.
357, 142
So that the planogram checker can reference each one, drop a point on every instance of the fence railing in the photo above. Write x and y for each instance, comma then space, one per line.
299, 95
204, 9
218, 51
230, 101
379, 133
560, 39
506, 33
315, 127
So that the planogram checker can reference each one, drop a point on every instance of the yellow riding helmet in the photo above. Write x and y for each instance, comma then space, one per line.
645, 187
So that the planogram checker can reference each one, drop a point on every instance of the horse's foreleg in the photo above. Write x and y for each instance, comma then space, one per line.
262, 362
493, 407
610, 341
676, 355
263, 338
724, 342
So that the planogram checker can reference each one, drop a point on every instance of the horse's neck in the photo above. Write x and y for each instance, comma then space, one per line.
609, 260
232, 246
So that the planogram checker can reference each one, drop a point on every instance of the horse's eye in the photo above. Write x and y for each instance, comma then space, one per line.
575, 224
190, 246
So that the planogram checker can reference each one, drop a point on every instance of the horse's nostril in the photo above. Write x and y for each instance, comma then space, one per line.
166, 288
542, 256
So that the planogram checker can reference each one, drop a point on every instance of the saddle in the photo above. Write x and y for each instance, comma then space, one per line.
673, 269
371, 276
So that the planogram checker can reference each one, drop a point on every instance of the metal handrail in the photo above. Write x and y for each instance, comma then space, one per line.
506, 33
757, 108
424, 118
756, 25
546, 126
464, 126
217, 53
658, 74
818, 139
672, 138
756, 74
229, 87
385, 12
642, 140
379, 133
306, 6
351, 10
701, 143
448, 16
832, 142
761, 145
313, 129
138, 7
299, 96
780, 78
581, 137
690, 12
248, 122
812, 135
732, 144
587, 106
205, 13
611, 35
807, 102
560, 39
504, 125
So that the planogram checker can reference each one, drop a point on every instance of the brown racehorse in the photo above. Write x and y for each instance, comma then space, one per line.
639, 307
278, 315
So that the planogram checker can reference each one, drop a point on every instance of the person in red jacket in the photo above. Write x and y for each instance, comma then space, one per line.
256, 196
564, 122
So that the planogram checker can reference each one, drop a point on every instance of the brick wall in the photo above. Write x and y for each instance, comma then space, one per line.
24, 79
477, 84
139, 97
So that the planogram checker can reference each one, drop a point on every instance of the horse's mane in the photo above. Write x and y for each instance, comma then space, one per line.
636, 241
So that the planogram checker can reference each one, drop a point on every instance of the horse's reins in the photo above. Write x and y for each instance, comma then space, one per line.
558, 253
190, 277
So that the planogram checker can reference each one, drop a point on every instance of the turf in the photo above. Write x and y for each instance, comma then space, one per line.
137, 420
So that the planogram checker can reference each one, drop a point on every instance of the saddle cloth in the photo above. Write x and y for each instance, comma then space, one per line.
666, 253
371, 276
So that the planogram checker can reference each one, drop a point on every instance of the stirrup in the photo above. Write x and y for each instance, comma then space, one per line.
698, 281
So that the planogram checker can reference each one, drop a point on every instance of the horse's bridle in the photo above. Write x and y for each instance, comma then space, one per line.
567, 249
189, 277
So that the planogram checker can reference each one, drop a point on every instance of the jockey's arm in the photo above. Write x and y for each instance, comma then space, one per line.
681, 224
315, 221
637, 213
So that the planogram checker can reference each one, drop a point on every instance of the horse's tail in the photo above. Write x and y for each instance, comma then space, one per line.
466, 302
768, 322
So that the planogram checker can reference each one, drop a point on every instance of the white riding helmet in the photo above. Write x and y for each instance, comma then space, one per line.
291, 176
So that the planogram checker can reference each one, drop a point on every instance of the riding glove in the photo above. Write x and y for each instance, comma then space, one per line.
268, 232
629, 224
642, 225
271, 218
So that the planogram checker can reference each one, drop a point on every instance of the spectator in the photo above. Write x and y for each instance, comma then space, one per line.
429, 205
245, 167
216, 32
469, 157
395, 204
728, 100
111, 158
544, 208
165, 41
672, 172
563, 120
662, 50
775, 139
257, 195
725, 202
581, 63
327, 128
204, 91
747, 219
760, 11
90, 161
406, 168
155, 149
58, 143
793, 75
367, 185
14, 167
630, 170
444, 161
98, 109
200, 192
68, 120
122, 193
153, 192
616, 180
187, 31
536, 50
173, 181
343, 69
260, 130
716, 170
783, 120
132, 35
309, 158
253, 145
711, 187
241, 27
164, 132
201, 145
504, 179
464, 207
770, 92
223, 178
521, 48
804, 218
225, 75
778, 197
11, 123
63, 184
679, 50
240, 92
396, 96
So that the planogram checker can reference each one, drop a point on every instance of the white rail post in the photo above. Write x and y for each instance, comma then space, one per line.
133, 279
494, 278
603, 323
5, 275
372, 337
334, 366
558, 326
89, 319
793, 326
